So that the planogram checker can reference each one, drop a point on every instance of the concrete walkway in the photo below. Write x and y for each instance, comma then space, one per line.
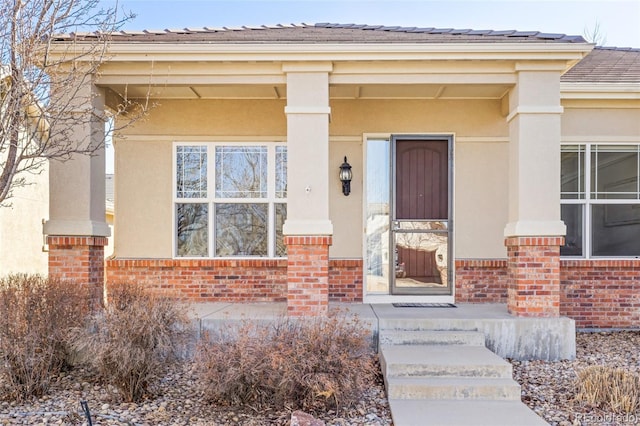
436, 361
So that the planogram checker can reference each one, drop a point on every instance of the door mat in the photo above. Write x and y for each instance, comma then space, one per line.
423, 305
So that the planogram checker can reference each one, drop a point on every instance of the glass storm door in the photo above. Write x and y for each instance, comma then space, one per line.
420, 219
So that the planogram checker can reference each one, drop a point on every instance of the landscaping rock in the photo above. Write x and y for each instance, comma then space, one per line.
176, 400
300, 418
547, 387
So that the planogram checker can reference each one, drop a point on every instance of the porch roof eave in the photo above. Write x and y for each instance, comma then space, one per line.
600, 90
337, 52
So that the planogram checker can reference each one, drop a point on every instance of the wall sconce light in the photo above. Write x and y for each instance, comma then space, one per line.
345, 177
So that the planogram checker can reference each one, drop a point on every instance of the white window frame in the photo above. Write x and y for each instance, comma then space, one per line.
587, 202
211, 200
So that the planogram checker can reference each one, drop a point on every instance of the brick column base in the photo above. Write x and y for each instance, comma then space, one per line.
79, 259
307, 275
534, 276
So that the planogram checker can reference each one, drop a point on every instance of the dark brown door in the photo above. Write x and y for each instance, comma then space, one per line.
420, 228
422, 179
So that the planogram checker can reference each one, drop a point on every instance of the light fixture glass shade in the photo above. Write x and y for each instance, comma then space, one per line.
345, 177
345, 174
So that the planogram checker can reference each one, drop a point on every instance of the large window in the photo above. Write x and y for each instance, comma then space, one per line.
230, 200
600, 193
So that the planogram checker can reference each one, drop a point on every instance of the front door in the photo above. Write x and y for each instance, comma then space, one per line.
420, 219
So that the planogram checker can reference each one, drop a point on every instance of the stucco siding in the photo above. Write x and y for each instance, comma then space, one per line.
147, 161
463, 117
346, 211
21, 227
143, 223
214, 118
592, 124
481, 199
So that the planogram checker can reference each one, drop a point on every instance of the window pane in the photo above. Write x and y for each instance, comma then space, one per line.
615, 229
191, 172
241, 229
280, 217
571, 214
281, 172
377, 219
614, 172
572, 171
192, 229
241, 172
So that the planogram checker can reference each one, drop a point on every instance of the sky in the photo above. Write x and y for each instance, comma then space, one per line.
618, 21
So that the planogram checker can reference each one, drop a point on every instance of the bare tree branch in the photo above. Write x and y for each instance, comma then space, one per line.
47, 70
595, 35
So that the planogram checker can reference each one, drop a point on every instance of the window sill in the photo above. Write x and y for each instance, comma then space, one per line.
619, 262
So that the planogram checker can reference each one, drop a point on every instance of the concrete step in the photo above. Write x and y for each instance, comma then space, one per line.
441, 322
453, 388
420, 412
431, 337
442, 360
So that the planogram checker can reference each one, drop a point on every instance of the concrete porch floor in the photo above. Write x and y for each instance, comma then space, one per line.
508, 336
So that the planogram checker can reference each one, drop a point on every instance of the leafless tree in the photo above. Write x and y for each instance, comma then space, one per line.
595, 35
43, 83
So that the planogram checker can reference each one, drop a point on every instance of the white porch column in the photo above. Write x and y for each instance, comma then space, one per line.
308, 149
534, 153
308, 229
77, 230
534, 232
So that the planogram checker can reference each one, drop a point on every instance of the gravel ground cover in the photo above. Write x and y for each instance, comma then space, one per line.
549, 387
179, 401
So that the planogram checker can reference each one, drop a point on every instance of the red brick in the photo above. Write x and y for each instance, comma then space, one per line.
241, 280
80, 259
596, 292
533, 262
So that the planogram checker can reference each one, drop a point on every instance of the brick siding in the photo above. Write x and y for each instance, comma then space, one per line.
345, 280
225, 280
307, 275
207, 280
80, 259
481, 281
601, 293
595, 293
533, 265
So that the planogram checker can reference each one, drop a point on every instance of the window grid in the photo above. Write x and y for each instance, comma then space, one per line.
602, 195
224, 154
586, 208
212, 199
590, 198
184, 154
281, 172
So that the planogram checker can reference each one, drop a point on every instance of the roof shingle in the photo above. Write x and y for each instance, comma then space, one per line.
332, 33
602, 65
606, 65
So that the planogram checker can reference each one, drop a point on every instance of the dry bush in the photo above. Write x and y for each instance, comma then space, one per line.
311, 364
36, 317
609, 388
135, 338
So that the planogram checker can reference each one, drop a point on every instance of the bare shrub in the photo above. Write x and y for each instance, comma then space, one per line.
310, 364
135, 338
609, 388
36, 317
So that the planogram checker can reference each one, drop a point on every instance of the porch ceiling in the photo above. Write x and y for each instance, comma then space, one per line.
336, 91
